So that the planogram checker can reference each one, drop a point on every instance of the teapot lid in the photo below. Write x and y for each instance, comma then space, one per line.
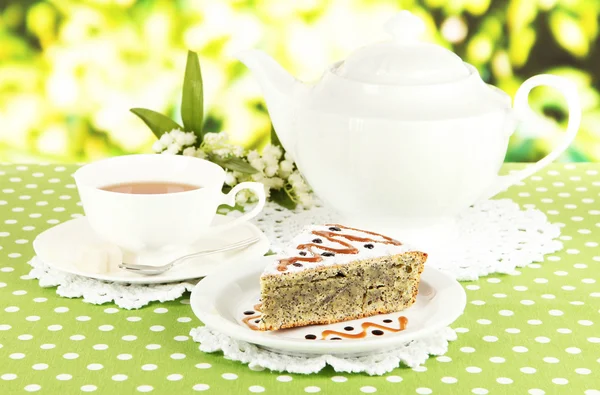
404, 60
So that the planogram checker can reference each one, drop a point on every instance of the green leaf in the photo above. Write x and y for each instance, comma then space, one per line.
233, 164
158, 123
275, 138
283, 198
192, 100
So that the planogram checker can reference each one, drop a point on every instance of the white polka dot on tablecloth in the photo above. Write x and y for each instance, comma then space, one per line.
145, 388
153, 346
473, 369
95, 366
64, 377
229, 376
32, 387
124, 357
419, 369
149, 367
177, 356
201, 387
312, 389
287, 379
550, 360
134, 319
367, 389
583, 371
106, 328
25, 337
560, 381
129, 338
394, 379
119, 377
71, 355
256, 389
174, 377
479, 391
157, 328
423, 391
504, 380
100, 347
449, 380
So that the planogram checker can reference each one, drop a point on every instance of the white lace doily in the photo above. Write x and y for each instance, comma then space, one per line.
126, 296
412, 354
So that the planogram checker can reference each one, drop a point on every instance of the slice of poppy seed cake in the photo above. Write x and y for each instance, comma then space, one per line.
333, 273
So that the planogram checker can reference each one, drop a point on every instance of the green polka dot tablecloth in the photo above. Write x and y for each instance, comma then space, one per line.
536, 331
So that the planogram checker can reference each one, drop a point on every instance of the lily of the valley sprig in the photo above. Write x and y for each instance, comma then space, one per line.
271, 167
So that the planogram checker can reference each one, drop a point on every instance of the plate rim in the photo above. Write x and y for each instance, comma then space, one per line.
262, 246
204, 294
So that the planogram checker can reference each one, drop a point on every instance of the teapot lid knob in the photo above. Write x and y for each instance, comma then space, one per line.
405, 27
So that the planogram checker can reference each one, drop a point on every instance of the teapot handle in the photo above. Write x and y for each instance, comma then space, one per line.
523, 111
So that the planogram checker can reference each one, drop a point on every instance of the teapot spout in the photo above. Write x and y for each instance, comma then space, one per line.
278, 88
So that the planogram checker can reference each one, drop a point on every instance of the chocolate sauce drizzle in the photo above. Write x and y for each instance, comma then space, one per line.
402, 321
246, 320
334, 238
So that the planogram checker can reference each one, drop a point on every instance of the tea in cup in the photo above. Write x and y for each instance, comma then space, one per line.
150, 203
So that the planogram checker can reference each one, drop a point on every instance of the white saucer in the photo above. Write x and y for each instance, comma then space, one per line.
220, 300
56, 248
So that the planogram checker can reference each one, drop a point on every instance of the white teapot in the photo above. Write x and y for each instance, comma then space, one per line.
402, 133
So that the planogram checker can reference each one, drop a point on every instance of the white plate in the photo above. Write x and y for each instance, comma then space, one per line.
220, 300
56, 247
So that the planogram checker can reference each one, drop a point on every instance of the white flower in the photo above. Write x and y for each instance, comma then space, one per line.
295, 179
243, 196
211, 138
288, 156
238, 150
272, 151
224, 152
189, 151
286, 167
166, 139
158, 146
200, 154
305, 199
230, 179
189, 139
271, 170
185, 138
253, 155
258, 177
174, 148
273, 183
258, 164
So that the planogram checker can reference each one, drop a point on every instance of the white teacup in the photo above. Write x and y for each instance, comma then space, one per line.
145, 223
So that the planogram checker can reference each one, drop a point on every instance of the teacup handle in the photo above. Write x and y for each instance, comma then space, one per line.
229, 199
523, 110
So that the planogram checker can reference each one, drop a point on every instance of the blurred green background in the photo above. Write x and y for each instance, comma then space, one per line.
70, 70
